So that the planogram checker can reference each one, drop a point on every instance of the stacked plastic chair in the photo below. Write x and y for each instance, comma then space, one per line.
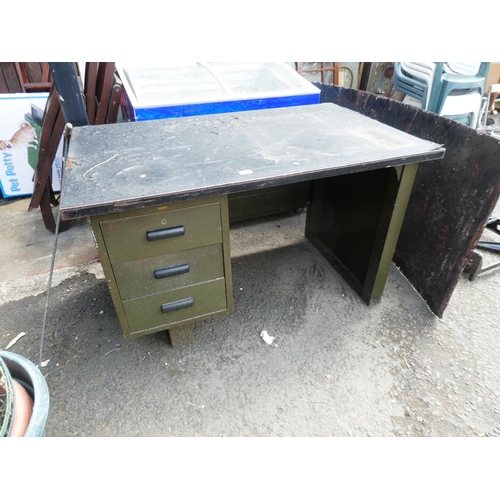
453, 90
417, 80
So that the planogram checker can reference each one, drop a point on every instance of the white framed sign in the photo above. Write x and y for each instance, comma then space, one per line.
21, 118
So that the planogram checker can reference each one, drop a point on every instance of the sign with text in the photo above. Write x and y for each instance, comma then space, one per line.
21, 117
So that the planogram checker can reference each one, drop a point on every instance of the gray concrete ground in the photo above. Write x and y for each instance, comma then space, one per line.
335, 368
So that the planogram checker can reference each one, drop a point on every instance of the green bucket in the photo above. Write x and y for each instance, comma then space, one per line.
30, 377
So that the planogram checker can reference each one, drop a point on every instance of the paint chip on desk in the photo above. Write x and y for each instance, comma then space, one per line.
245, 172
268, 339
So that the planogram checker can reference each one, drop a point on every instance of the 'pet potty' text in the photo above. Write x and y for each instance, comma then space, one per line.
10, 172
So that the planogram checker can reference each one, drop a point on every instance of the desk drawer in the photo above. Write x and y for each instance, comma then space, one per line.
136, 278
163, 232
199, 300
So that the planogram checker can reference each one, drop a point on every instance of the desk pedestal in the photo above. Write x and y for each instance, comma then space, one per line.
167, 265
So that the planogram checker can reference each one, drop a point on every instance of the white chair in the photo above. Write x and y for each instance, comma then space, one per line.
463, 108
462, 68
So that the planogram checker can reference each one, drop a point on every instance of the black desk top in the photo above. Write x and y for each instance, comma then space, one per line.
116, 167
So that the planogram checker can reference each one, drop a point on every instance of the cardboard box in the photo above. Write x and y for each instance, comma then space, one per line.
21, 118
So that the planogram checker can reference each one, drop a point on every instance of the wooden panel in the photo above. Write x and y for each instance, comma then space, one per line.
449, 205
4, 87
32, 71
11, 78
104, 86
36, 76
89, 90
17, 77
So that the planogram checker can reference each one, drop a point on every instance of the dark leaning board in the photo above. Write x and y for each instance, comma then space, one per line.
117, 167
449, 205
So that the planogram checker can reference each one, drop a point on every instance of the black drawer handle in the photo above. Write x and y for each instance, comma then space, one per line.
177, 305
167, 272
161, 234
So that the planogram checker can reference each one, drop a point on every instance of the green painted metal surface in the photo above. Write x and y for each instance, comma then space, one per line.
145, 312
137, 295
136, 277
268, 201
354, 220
126, 238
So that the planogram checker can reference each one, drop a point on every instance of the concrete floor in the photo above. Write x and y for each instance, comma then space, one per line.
27, 246
335, 368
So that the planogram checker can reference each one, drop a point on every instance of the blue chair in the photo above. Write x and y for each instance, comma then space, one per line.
418, 80
454, 90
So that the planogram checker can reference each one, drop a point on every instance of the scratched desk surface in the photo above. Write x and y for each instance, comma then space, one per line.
115, 167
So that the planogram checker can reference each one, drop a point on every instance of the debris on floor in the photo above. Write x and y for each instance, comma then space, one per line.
266, 337
15, 339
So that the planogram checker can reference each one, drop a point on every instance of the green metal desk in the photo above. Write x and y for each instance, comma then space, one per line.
156, 193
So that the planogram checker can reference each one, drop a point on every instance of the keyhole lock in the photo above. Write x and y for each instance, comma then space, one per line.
164, 221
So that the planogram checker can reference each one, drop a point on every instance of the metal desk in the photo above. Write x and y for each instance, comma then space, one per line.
360, 172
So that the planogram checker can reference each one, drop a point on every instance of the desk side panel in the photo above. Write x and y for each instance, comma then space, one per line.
355, 220
343, 218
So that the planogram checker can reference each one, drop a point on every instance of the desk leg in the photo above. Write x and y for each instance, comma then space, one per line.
355, 220
181, 335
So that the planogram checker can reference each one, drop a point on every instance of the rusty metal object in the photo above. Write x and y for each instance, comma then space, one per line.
328, 71
475, 266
